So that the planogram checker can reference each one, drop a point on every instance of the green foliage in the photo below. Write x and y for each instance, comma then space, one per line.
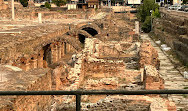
146, 26
47, 5
185, 95
59, 2
156, 14
185, 1
185, 88
144, 13
144, 9
24, 3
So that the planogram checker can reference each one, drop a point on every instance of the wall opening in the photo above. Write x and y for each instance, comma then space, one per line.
81, 38
47, 54
90, 30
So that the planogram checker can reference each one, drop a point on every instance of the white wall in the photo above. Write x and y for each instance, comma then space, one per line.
134, 1
71, 6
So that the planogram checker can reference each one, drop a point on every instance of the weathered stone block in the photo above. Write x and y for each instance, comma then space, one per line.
183, 39
182, 30
148, 55
186, 22
152, 79
179, 46
182, 57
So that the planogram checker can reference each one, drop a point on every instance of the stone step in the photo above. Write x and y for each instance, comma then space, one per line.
167, 67
165, 64
163, 71
164, 61
172, 74
173, 79
173, 71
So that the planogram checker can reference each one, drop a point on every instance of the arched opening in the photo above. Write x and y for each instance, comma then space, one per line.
47, 54
90, 30
81, 38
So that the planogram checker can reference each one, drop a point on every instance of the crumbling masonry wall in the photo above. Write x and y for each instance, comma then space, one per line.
2, 5
152, 79
148, 55
35, 80
172, 28
31, 13
36, 103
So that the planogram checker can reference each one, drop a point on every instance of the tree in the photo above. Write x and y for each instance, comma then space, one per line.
156, 14
185, 1
24, 3
144, 9
59, 2
168, 2
146, 26
144, 13
47, 5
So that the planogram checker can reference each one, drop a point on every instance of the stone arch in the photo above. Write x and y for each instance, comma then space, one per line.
82, 34
55, 48
64, 38
85, 33
92, 29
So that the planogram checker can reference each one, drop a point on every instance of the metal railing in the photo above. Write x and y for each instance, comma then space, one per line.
78, 93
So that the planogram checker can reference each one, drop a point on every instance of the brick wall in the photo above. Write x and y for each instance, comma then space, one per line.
35, 103
148, 55
152, 79
59, 77
38, 79
104, 69
31, 13
124, 103
119, 104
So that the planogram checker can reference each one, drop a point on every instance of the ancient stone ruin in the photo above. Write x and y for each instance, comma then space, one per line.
78, 50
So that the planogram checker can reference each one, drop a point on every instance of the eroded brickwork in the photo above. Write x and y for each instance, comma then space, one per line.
152, 79
38, 79
112, 58
148, 55
35, 103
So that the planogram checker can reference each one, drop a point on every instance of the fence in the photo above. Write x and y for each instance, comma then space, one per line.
78, 93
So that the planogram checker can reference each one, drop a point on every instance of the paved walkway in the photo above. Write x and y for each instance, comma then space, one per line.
173, 78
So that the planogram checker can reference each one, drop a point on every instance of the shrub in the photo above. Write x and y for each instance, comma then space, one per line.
144, 14
144, 9
24, 3
47, 5
59, 2
146, 26
156, 14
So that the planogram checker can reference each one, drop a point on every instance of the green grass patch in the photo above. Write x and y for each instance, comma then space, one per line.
185, 88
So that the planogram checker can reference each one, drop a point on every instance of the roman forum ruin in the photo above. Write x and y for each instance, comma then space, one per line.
87, 49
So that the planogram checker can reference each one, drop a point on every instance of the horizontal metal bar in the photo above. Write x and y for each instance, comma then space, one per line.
94, 92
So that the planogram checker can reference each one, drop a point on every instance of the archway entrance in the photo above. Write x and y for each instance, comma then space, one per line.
90, 30
81, 38
47, 54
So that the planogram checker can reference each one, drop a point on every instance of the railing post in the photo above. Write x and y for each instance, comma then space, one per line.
78, 102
